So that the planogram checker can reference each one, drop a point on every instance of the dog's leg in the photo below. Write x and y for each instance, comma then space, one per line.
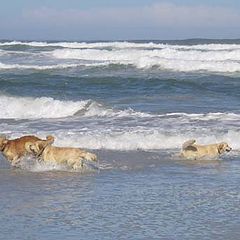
78, 165
15, 162
89, 156
75, 163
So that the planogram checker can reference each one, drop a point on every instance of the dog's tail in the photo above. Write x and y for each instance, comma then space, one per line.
188, 143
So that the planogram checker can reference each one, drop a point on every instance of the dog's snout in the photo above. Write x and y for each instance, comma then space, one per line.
228, 149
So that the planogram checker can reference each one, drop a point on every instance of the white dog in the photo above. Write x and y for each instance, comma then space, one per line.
190, 150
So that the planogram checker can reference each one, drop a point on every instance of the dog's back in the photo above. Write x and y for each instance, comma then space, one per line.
66, 154
15, 148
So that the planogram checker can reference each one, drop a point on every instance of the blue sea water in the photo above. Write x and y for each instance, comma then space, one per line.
133, 104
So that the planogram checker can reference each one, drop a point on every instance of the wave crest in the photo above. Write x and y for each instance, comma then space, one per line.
126, 140
217, 58
167, 58
47, 107
32, 108
124, 45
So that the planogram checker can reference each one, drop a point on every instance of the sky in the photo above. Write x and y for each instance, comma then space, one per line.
119, 19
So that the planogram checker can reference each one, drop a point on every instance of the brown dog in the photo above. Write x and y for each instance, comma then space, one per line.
73, 157
190, 150
14, 149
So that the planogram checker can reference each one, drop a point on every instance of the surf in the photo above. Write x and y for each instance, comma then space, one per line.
214, 58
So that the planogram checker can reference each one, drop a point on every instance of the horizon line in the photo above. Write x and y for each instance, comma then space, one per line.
119, 40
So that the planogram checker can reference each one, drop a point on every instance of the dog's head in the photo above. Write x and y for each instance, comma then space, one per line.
50, 139
38, 147
223, 147
3, 142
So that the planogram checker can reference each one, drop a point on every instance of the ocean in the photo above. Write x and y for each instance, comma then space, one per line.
133, 103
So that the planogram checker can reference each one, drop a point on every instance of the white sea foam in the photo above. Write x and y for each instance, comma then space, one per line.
123, 45
203, 57
144, 140
37, 67
47, 107
126, 140
131, 55
97, 109
141, 63
172, 59
207, 116
152, 132
32, 108
146, 132
30, 163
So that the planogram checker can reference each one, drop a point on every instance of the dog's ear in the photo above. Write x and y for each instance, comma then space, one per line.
3, 144
221, 148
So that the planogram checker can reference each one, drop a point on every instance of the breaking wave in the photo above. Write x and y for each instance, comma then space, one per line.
98, 127
185, 58
145, 140
47, 107
33, 108
132, 140
123, 45
37, 67
167, 58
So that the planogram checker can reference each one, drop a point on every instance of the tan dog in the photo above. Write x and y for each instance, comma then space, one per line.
190, 150
14, 149
73, 157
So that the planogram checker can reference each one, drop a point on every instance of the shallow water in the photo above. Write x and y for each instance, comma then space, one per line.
133, 104
139, 195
